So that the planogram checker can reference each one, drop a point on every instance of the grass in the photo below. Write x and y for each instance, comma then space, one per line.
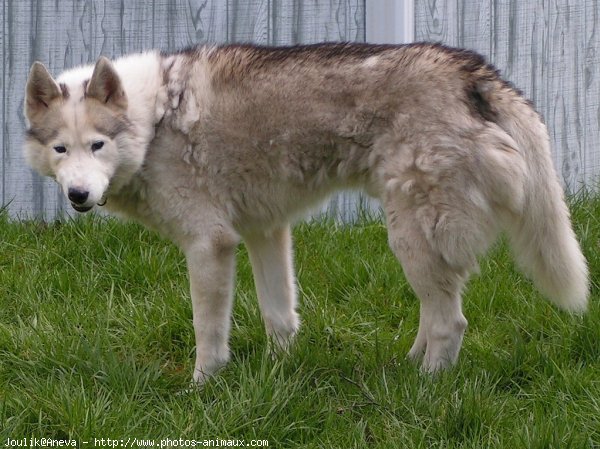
96, 341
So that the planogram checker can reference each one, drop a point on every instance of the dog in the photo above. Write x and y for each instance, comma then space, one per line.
213, 145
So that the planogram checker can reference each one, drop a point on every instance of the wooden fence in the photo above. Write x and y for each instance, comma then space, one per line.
549, 49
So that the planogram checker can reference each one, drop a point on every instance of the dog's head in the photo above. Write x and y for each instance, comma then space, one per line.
79, 132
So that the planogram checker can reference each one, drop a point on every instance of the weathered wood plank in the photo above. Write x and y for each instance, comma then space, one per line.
249, 21
3, 117
335, 20
284, 20
564, 25
209, 21
475, 26
127, 27
180, 23
437, 21
590, 92
28, 38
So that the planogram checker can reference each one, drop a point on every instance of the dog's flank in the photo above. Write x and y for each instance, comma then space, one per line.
215, 144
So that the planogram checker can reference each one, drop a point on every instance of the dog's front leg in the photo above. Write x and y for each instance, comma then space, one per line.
211, 265
271, 257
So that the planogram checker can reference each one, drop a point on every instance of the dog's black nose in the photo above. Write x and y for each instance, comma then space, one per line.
78, 196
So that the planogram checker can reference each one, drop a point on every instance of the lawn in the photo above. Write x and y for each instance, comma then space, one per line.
96, 342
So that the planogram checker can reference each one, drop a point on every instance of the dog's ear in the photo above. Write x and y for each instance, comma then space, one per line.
105, 85
41, 90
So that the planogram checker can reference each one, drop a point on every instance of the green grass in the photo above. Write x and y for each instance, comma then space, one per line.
96, 341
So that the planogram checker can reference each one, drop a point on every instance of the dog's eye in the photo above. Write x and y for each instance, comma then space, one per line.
97, 145
60, 149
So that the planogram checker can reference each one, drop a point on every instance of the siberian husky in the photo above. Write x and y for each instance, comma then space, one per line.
217, 144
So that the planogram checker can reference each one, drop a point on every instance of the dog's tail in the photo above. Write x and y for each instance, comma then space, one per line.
540, 234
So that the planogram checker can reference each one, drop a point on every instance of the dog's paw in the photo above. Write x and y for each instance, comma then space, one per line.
429, 366
417, 350
281, 333
205, 368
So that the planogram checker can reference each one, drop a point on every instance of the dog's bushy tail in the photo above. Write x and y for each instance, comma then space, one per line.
541, 236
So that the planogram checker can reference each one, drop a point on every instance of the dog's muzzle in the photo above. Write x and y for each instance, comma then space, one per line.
81, 208
79, 199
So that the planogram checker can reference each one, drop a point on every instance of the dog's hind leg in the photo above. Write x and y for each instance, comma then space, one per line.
211, 264
271, 258
438, 286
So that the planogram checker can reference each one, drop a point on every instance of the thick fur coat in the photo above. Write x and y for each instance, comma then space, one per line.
216, 144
